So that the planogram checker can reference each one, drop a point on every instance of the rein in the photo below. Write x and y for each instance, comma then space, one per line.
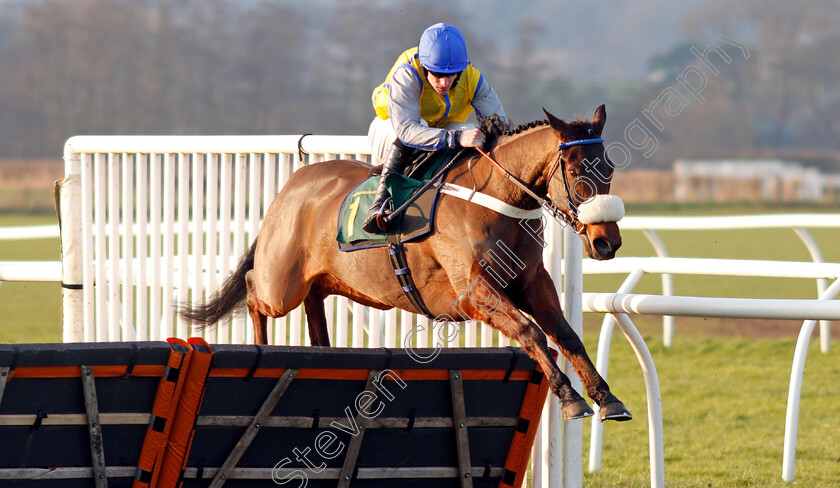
571, 217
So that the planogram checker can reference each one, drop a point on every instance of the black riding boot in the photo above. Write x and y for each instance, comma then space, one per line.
396, 162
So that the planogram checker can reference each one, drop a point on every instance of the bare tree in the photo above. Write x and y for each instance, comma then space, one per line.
794, 61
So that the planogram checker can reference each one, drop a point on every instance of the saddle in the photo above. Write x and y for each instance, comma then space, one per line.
419, 163
414, 222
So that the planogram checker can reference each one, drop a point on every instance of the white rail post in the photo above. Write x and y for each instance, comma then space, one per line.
602, 365
816, 256
573, 310
100, 248
155, 243
142, 301
654, 400
70, 217
129, 331
667, 286
112, 203
547, 462
88, 241
797, 372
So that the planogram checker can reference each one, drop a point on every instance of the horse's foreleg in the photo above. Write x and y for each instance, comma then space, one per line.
535, 344
316, 319
539, 299
498, 311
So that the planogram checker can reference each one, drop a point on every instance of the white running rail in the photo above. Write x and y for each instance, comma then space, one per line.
799, 223
617, 305
49, 271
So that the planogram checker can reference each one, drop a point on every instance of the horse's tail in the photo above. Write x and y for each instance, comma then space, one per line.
223, 301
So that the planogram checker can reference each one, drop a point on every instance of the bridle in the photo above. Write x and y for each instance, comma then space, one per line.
570, 215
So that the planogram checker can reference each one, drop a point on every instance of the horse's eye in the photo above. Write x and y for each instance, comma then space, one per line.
575, 173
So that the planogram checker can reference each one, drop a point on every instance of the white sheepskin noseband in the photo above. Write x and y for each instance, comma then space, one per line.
601, 208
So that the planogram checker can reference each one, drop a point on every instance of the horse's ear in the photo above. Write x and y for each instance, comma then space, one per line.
599, 119
556, 124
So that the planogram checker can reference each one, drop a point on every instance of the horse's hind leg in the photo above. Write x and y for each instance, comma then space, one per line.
260, 325
275, 299
259, 319
316, 319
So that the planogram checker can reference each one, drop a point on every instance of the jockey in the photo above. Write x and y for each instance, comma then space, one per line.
424, 104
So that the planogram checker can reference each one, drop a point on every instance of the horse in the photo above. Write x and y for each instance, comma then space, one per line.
295, 258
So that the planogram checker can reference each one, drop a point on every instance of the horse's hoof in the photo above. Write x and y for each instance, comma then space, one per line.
615, 411
577, 409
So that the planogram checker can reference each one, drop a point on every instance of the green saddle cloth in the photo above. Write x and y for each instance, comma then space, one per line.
355, 207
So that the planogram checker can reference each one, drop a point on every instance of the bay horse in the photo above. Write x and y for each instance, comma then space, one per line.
296, 259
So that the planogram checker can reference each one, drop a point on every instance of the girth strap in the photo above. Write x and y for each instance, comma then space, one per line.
397, 256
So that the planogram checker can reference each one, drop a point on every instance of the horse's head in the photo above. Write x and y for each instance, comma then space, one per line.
583, 190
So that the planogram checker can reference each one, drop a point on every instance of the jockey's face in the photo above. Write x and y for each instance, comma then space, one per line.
442, 83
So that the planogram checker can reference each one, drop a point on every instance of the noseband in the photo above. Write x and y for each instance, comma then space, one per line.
572, 219
571, 216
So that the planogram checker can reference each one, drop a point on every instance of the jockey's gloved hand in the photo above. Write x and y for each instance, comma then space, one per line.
471, 138
453, 139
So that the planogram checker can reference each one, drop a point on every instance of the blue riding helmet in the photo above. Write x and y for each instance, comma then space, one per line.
443, 49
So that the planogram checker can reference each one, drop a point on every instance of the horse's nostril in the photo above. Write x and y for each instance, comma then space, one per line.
602, 246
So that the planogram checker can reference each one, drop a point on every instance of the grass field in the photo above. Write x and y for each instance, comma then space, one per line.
724, 383
31, 312
723, 406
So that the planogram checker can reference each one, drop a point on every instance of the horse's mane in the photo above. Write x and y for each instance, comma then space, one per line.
523, 127
495, 127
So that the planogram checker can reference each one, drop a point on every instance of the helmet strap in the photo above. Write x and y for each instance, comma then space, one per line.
454, 83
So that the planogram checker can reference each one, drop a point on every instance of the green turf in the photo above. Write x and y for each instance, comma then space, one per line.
724, 404
30, 312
